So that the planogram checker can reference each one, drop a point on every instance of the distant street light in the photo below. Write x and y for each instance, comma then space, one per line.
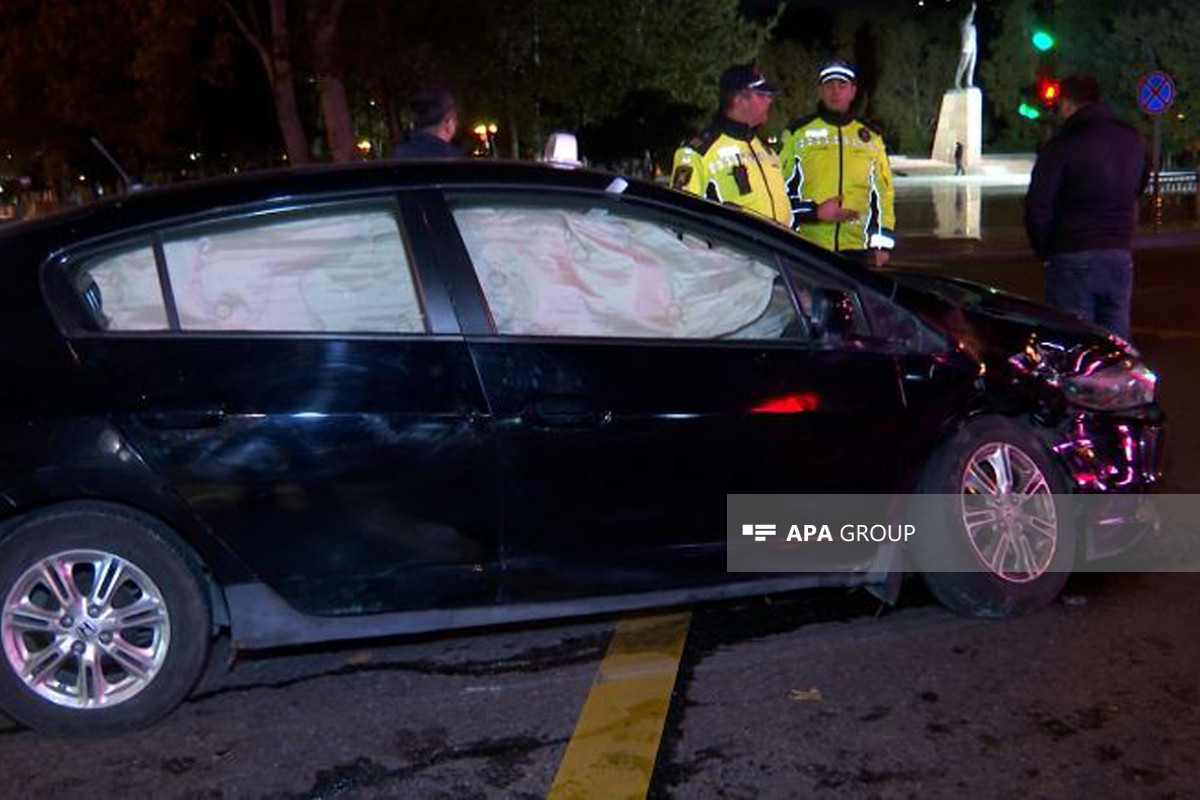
486, 131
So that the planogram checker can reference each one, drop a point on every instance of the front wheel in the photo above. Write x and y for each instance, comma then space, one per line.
105, 622
1002, 518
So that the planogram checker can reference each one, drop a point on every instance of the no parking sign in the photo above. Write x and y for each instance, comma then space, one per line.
1156, 92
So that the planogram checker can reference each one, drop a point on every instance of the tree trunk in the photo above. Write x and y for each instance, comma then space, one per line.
392, 117
334, 107
283, 86
277, 63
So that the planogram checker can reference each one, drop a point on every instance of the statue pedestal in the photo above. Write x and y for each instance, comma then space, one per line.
960, 120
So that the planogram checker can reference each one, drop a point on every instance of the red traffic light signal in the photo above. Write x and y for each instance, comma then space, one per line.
1048, 91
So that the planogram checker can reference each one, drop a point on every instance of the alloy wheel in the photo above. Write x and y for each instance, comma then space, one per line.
1008, 512
85, 629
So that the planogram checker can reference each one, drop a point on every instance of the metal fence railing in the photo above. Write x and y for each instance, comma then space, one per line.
1174, 183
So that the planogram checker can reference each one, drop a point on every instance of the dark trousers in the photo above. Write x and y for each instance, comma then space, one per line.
1095, 284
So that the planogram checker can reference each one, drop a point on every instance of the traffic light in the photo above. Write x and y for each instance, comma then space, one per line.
1043, 40
1040, 98
1048, 91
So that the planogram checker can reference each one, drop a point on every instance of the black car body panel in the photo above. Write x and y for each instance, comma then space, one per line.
339, 485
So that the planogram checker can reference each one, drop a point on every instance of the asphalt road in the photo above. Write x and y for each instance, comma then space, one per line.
818, 694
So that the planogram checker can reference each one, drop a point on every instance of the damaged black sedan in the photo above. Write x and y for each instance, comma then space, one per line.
344, 402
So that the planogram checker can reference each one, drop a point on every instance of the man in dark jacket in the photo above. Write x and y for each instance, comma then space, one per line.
435, 122
1082, 205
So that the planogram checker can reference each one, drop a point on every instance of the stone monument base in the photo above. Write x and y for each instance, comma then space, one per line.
960, 120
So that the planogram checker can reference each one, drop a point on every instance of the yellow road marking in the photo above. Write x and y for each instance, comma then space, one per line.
611, 753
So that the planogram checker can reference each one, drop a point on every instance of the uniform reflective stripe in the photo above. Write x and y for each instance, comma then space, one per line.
881, 241
795, 190
837, 230
837, 72
873, 211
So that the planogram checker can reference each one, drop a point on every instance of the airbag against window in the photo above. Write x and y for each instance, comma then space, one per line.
129, 291
592, 273
333, 273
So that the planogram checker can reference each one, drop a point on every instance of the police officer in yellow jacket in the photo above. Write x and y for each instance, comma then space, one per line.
726, 162
838, 178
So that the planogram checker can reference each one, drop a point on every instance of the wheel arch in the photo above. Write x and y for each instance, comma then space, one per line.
198, 557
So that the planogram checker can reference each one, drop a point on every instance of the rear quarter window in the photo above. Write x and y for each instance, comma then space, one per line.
121, 290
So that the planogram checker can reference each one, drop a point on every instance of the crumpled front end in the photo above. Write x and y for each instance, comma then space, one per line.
1117, 458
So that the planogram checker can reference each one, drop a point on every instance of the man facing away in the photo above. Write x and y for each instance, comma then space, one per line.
435, 123
838, 177
726, 162
1081, 207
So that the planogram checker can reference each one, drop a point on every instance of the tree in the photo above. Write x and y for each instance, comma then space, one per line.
918, 62
793, 68
272, 41
72, 71
1008, 63
323, 18
1161, 36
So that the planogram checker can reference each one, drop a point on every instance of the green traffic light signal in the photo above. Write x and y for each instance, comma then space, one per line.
1029, 112
1043, 40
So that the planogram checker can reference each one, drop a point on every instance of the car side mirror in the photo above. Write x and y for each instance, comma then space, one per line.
833, 313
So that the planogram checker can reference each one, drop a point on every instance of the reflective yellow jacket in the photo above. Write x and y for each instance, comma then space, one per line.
826, 155
728, 164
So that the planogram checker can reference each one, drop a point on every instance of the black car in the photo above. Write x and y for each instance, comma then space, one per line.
355, 401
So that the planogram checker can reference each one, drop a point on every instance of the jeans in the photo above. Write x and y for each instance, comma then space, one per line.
1095, 284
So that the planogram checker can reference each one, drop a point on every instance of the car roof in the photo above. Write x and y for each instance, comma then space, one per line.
46, 235
147, 205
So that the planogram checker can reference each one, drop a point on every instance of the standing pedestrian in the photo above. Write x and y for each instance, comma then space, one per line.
726, 162
958, 159
435, 123
1082, 204
838, 177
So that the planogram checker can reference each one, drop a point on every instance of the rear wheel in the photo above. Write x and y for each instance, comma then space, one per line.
1003, 521
105, 620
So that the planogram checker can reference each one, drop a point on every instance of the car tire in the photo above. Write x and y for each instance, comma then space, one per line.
961, 467
119, 641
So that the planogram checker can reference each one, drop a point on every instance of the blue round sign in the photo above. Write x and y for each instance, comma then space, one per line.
1156, 92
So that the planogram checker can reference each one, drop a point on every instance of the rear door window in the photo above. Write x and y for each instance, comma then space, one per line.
341, 272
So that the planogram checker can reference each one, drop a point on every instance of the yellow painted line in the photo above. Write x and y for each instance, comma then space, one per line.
1167, 333
611, 753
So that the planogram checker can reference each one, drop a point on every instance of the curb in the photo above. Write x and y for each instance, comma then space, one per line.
1015, 246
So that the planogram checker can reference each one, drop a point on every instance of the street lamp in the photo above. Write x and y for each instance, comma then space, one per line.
486, 131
